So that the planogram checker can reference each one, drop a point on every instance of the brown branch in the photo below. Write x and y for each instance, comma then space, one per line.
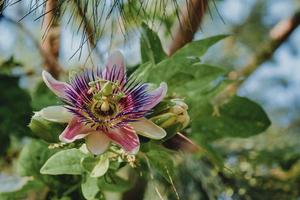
278, 35
48, 58
51, 42
192, 15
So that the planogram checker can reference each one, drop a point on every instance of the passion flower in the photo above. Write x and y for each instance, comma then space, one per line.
104, 106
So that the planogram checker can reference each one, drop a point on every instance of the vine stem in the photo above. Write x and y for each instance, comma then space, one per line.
277, 36
51, 38
192, 15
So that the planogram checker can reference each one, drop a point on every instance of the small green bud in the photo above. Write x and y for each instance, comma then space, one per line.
183, 119
177, 110
180, 103
164, 120
171, 115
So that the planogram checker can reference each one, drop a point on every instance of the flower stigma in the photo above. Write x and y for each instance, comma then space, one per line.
106, 96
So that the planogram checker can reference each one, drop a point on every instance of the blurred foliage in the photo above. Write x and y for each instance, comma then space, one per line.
15, 110
43, 97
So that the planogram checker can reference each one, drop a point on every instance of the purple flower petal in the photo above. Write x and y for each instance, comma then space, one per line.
74, 131
156, 96
115, 68
126, 138
57, 87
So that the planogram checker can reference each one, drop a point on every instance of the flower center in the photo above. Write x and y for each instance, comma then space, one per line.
104, 108
106, 96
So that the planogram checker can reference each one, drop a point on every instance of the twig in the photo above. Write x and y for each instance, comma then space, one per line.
48, 58
189, 22
51, 41
278, 35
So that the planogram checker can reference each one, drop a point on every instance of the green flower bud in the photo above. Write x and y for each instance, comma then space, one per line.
164, 120
180, 103
171, 115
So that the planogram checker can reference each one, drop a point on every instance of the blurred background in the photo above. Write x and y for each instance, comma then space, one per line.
265, 166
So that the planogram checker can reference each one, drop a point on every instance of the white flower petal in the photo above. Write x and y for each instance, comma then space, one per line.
56, 114
57, 87
115, 68
157, 96
148, 129
97, 142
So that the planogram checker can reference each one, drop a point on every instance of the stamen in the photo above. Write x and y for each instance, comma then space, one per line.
105, 106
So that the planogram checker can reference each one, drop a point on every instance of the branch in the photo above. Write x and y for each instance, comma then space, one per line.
278, 35
48, 58
51, 41
192, 15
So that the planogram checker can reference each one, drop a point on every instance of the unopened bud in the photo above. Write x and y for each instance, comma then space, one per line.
172, 115
177, 109
180, 103
164, 120
183, 119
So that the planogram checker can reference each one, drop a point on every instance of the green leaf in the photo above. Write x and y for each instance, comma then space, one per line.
32, 157
114, 183
15, 110
183, 67
43, 96
197, 48
240, 117
162, 162
64, 162
151, 48
97, 167
7, 66
90, 188
44, 129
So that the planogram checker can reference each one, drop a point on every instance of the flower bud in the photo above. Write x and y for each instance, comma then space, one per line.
171, 115
164, 120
